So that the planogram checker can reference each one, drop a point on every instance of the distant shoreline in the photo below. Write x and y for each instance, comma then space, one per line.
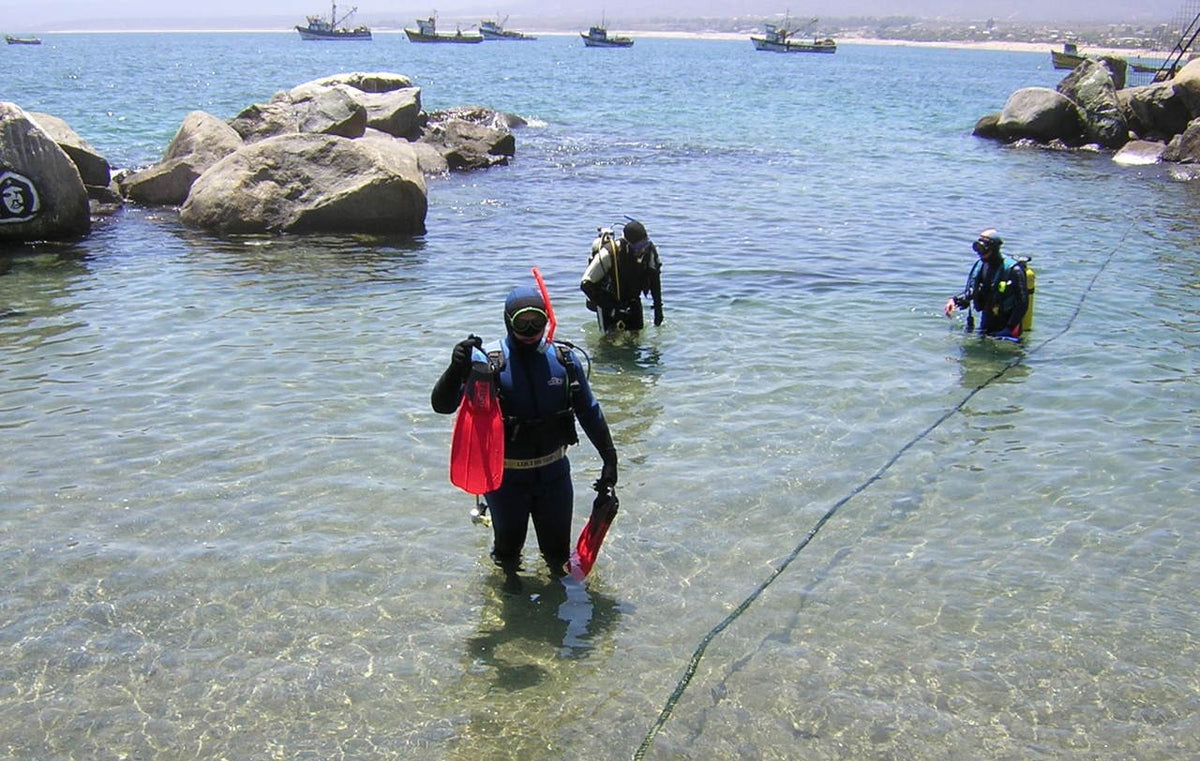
1005, 46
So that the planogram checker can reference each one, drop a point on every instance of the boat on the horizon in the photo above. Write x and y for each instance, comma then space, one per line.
320, 29
1142, 67
426, 31
778, 39
11, 40
597, 36
494, 30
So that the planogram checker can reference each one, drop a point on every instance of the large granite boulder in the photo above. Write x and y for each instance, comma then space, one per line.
470, 137
311, 183
260, 121
42, 195
330, 110
363, 171
429, 159
398, 112
93, 168
371, 82
343, 104
988, 126
1184, 148
1154, 112
1187, 84
201, 141
1041, 114
1118, 67
1093, 106
1093, 87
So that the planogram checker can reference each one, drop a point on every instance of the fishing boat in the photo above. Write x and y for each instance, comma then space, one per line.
426, 31
494, 30
320, 29
1142, 67
1067, 58
597, 36
778, 39
22, 40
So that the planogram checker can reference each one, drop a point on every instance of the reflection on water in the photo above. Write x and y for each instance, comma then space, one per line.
988, 360
526, 624
627, 371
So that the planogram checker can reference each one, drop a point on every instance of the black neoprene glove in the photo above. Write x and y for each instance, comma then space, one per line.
460, 358
448, 390
608, 472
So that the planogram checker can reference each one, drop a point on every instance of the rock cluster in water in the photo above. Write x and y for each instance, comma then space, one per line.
1092, 106
346, 153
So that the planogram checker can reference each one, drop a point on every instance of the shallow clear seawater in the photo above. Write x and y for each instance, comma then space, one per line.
226, 529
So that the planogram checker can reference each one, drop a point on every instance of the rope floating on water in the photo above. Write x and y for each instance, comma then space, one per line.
698, 653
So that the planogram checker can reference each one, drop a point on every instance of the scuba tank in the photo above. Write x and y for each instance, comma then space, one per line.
1030, 282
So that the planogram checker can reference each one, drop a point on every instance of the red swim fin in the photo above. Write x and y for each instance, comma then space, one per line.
477, 446
604, 509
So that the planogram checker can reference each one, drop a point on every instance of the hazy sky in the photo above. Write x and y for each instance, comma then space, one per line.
16, 15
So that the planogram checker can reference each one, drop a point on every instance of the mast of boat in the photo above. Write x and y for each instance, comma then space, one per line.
333, 15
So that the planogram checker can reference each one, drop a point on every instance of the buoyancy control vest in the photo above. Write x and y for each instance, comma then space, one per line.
625, 275
540, 418
1001, 293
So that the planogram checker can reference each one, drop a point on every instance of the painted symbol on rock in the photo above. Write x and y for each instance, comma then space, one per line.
19, 201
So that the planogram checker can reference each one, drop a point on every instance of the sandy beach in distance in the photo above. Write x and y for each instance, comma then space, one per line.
1012, 47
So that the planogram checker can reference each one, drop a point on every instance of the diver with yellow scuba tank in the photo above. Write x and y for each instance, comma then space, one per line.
1000, 288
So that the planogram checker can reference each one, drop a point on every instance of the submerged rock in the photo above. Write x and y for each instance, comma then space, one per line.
1139, 153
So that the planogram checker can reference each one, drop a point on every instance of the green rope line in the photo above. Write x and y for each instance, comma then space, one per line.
698, 654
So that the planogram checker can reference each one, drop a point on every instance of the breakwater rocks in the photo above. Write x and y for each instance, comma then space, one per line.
345, 153
1091, 106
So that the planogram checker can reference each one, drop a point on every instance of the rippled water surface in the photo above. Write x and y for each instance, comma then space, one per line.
847, 530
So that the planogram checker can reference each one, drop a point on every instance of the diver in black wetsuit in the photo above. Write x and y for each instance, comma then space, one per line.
619, 272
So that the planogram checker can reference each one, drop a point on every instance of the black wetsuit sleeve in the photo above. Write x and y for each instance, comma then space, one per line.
591, 417
447, 392
963, 299
654, 282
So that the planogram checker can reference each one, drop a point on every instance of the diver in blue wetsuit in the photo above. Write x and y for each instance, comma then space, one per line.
997, 287
542, 393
